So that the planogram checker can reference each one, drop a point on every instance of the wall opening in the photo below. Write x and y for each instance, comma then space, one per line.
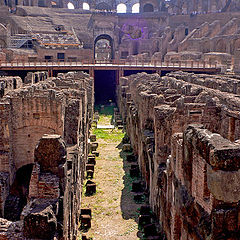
148, 7
103, 48
18, 193
104, 86
136, 8
121, 8
86, 6
103, 6
70, 6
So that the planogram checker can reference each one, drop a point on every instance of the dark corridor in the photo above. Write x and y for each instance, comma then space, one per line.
105, 86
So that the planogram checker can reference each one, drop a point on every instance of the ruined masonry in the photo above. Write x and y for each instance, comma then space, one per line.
43, 149
184, 128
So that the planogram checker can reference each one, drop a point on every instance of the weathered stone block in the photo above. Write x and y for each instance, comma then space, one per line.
40, 222
50, 153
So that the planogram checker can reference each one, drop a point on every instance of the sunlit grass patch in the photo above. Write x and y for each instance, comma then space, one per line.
109, 134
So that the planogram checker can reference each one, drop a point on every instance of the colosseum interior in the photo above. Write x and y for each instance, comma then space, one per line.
120, 120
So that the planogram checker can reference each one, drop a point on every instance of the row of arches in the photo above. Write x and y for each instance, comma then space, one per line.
121, 8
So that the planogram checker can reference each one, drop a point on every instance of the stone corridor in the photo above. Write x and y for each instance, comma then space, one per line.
114, 212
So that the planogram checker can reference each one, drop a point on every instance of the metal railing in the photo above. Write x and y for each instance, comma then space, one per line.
120, 63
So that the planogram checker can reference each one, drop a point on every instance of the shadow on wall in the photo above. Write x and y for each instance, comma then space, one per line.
17, 198
129, 207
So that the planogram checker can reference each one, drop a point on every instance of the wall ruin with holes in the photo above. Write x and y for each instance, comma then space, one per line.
45, 125
184, 128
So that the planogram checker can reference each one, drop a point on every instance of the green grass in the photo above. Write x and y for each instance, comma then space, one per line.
114, 135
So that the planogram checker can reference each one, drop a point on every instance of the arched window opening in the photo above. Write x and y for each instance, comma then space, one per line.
121, 8
103, 6
148, 7
86, 6
136, 8
103, 50
70, 6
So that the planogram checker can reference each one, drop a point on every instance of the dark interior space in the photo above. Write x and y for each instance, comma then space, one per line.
104, 86
17, 198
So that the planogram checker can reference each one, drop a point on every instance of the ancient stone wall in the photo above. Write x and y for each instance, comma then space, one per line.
9, 83
184, 164
44, 128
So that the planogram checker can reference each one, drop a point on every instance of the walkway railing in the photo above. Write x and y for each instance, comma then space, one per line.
121, 63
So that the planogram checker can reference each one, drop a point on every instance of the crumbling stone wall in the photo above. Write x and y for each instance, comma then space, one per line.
180, 162
45, 125
9, 83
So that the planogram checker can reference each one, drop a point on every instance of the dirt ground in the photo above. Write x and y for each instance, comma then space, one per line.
114, 212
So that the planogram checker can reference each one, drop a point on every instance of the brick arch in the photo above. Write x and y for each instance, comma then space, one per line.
107, 37
74, 3
145, 5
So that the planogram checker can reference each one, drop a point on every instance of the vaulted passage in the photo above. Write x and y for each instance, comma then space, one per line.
105, 86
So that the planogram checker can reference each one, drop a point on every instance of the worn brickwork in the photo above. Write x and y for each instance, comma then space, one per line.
183, 128
45, 125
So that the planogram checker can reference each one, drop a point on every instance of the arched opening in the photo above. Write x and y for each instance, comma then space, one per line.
103, 48
17, 198
121, 8
70, 6
148, 7
41, 3
103, 6
136, 8
86, 6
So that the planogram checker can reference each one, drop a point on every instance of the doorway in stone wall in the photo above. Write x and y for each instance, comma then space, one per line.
104, 86
103, 48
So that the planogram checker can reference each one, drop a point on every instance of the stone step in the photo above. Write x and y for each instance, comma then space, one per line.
86, 211
150, 230
90, 167
90, 188
90, 173
145, 210
134, 171
91, 160
85, 221
131, 158
144, 220
137, 187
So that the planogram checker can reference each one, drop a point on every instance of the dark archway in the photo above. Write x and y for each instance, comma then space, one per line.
41, 3
103, 6
105, 86
17, 198
103, 47
148, 7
